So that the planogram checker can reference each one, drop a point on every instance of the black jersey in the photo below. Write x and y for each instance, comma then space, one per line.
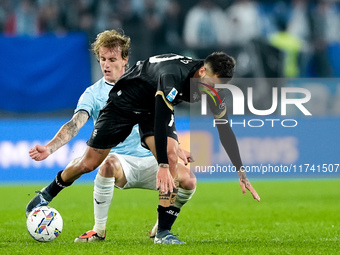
168, 75
145, 95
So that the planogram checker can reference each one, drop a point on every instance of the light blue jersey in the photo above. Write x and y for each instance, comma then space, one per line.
93, 100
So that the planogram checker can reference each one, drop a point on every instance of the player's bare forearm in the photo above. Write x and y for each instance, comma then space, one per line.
68, 131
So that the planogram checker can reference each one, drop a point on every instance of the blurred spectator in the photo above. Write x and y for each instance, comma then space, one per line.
105, 16
132, 26
68, 14
299, 25
5, 8
267, 18
24, 20
152, 21
243, 22
190, 27
127, 15
299, 21
172, 26
49, 17
205, 26
86, 24
290, 44
326, 27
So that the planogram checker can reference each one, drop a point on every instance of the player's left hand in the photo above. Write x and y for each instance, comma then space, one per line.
245, 185
185, 155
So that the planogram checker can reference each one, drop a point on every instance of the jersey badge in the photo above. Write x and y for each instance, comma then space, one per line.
172, 94
195, 96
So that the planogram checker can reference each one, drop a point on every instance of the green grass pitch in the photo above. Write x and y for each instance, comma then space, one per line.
293, 217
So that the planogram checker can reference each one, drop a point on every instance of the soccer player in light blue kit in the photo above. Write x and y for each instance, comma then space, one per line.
128, 165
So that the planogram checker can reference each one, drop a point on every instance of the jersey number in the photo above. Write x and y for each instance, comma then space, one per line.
162, 58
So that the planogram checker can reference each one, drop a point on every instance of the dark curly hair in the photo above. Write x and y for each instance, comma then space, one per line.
221, 64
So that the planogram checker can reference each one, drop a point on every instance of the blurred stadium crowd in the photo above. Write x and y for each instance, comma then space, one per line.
296, 38
175, 26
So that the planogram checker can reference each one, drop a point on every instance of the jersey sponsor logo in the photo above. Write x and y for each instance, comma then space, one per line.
172, 94
171, 121
165, 57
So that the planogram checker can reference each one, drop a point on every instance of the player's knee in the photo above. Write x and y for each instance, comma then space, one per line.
188, 183
110, 166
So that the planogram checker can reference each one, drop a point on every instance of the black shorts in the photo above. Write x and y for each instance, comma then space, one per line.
147, 129
113, 127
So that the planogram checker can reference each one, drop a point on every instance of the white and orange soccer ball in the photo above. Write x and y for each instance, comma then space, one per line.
44, 224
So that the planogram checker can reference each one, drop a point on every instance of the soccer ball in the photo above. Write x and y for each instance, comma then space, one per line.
44, 224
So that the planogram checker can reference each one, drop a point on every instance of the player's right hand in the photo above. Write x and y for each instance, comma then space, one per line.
39, 152
165, 182
245, 185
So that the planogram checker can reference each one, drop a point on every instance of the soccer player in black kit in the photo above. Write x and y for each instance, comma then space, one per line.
145, 95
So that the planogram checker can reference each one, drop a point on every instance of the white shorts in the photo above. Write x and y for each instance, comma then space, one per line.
140, 172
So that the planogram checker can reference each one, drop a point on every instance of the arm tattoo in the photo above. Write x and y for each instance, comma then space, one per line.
100, 151
243, 177
68, 130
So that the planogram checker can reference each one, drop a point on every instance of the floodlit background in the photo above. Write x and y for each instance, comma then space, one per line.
45, 65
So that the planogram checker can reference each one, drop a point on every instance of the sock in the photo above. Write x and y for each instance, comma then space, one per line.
183, 196
166, 218
55, 187
102, 198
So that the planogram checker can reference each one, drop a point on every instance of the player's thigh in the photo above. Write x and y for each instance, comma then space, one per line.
140, 172
149, 143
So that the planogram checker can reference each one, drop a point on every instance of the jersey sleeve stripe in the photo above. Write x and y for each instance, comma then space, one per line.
161, 93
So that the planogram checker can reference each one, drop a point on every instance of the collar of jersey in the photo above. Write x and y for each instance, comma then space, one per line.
109, 83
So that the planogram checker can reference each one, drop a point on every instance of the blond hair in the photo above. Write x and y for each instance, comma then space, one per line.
112, 39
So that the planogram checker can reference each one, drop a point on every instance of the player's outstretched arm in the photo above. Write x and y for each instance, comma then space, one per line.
245, 184
64, 135
229, 142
